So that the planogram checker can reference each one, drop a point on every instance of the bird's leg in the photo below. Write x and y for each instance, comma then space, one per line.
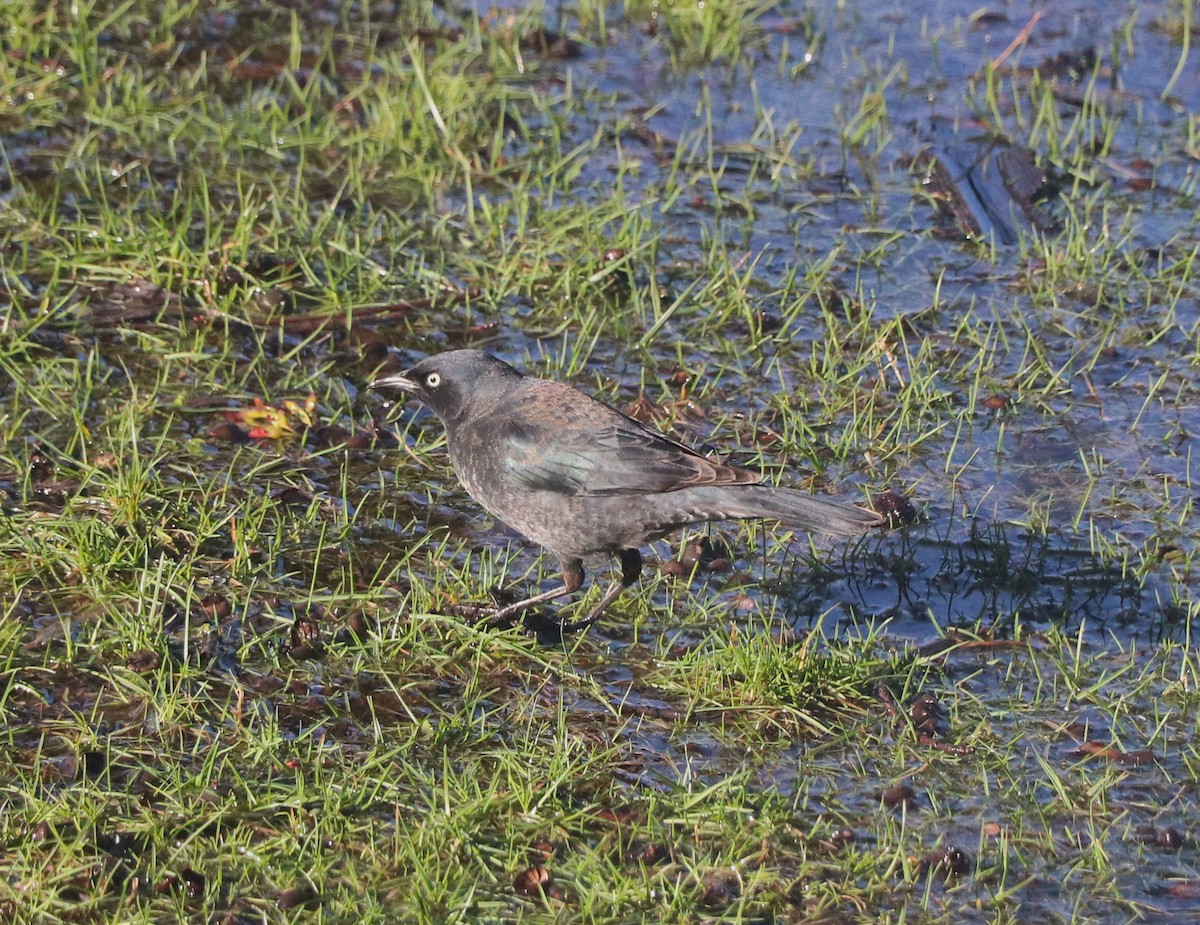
572, 573
631, 571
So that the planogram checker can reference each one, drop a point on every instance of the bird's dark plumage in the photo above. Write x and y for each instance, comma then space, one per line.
580, 478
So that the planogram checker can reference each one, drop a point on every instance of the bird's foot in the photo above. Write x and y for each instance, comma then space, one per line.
565, 627
528, 613
475, 613
535, 620
505, 610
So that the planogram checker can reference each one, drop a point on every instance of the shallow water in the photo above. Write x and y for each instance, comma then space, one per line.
1102, 455
1037, 403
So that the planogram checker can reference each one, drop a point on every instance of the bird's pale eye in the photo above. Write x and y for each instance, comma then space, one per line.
433, 380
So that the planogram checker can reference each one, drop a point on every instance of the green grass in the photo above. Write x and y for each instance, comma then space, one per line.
229, 688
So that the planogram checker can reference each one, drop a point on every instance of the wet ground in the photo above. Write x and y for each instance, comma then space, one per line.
1083, 414
1036, 403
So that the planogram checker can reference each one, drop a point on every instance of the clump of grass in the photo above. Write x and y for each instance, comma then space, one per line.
778, 680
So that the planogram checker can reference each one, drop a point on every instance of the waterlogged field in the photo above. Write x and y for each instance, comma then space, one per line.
941, 260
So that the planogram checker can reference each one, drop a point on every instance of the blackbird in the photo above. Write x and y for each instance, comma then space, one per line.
580, 478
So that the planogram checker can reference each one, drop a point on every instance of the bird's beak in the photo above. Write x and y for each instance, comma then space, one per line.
396, 383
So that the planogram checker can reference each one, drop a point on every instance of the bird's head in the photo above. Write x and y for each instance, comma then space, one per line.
450, 383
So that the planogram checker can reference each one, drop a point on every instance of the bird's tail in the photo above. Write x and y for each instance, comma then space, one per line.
790, 507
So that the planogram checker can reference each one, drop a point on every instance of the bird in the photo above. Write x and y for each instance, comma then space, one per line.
581, 479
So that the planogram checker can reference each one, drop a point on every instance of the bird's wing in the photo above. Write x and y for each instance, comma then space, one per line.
618, 457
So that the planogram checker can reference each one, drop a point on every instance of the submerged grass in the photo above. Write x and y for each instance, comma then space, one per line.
226, 687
